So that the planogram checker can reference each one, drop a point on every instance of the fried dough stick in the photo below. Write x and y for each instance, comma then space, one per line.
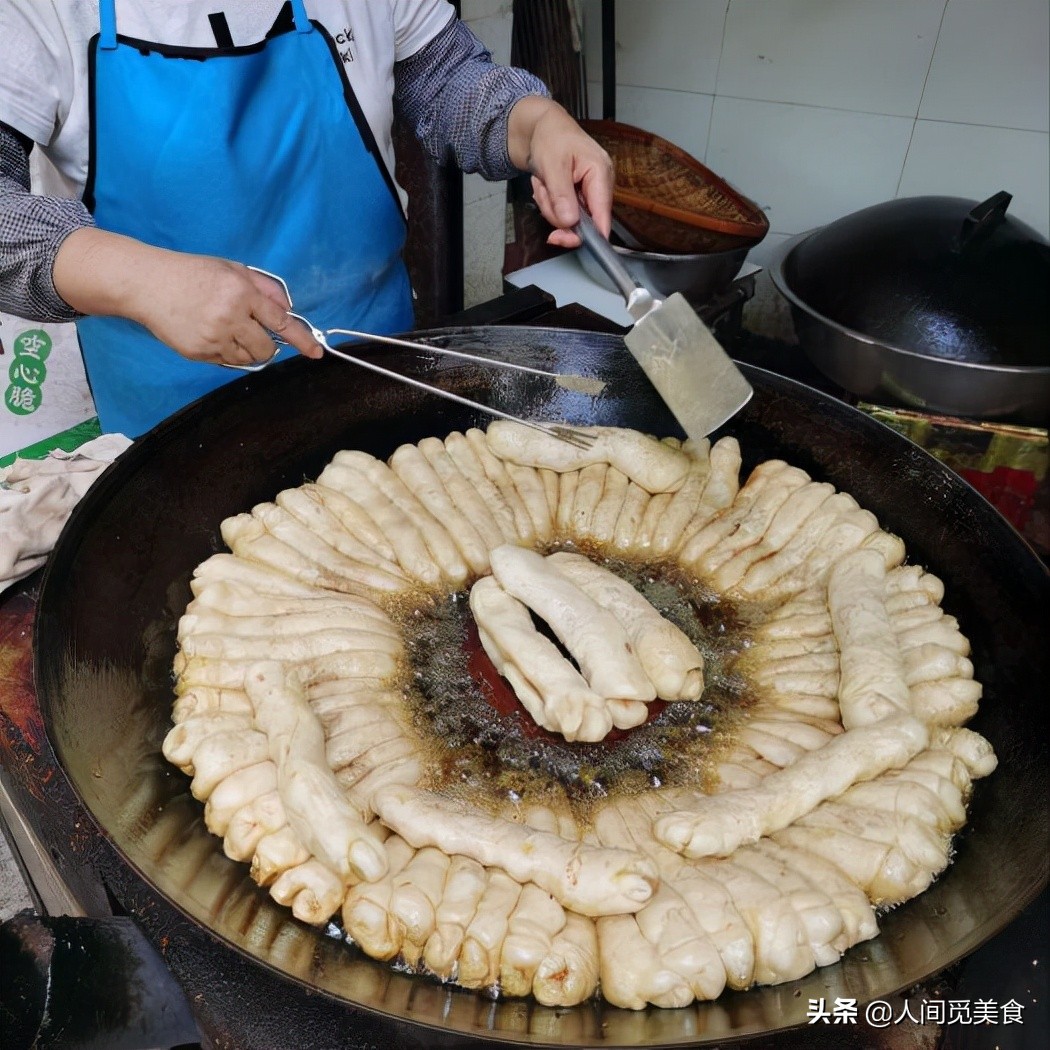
252, 577
593, 635
242, 601
199, 672
892, 858
220, 754
569, 973
728, 519
651, 518
414, 900
203, 700
674, 665
235, 791
536, 920
792, 516
420, 478
249, 539
858, 916
872, 685
464, 458
588, 495
822, 922
607, 512
366, 910
285, 527
723, 484
635, 958
846, 533
479, 956
260, 817
317, 809
288, 621
554, 693
276, 853
401, 532
782, 951
496, 471
628, 823
779, 486
654, 465
469, 494
464, 885
308, 506
272, 645
717, 825
182, 741
629, 520
682, 507
587, 879
632, 973
437, 538
311, 890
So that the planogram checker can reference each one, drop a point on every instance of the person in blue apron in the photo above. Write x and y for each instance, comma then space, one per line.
205, 161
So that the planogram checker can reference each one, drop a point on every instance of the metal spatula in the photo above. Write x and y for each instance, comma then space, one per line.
683, 360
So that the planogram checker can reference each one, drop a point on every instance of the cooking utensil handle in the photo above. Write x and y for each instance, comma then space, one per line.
639, 300
984, 217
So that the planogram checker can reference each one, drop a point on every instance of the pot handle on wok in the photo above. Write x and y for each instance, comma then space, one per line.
983, 218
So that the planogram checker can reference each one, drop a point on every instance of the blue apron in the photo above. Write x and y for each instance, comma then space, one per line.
259, 154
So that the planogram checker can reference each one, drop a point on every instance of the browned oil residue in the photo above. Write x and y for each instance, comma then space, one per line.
485, 747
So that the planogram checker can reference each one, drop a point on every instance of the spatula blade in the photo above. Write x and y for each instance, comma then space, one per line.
699, 383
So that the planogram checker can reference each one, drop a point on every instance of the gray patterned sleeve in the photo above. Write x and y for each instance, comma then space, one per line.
458, 101
32, 228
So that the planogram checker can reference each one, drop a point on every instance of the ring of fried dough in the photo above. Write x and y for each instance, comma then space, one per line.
840, 793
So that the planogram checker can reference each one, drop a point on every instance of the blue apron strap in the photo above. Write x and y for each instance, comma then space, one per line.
300, 18
107, 21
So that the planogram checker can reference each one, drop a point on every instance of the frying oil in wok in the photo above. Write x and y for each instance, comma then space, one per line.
483, 744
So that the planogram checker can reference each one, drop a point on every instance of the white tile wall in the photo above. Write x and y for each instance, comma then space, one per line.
850, 54
680, 117
969, 160
767, 249
824, 106
660, 43
990, 66
484, 240
473, 9
805, 165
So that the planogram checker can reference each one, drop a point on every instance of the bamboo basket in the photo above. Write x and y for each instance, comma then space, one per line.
668, 201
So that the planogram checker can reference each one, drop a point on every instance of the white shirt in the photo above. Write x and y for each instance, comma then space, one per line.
44, 58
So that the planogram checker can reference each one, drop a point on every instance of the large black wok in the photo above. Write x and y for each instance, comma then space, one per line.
118, 581
935, 303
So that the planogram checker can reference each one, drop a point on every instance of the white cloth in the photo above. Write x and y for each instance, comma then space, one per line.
44, 45
38, 495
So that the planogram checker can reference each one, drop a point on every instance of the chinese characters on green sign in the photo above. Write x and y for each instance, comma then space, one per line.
27, 372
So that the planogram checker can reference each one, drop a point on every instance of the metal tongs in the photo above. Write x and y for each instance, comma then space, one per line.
569, 434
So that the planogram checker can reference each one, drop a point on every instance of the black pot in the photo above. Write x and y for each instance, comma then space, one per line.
935, 303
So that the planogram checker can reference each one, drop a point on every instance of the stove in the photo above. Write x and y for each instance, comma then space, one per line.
166, 992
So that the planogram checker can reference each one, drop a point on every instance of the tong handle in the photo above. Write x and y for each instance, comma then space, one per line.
639, 300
